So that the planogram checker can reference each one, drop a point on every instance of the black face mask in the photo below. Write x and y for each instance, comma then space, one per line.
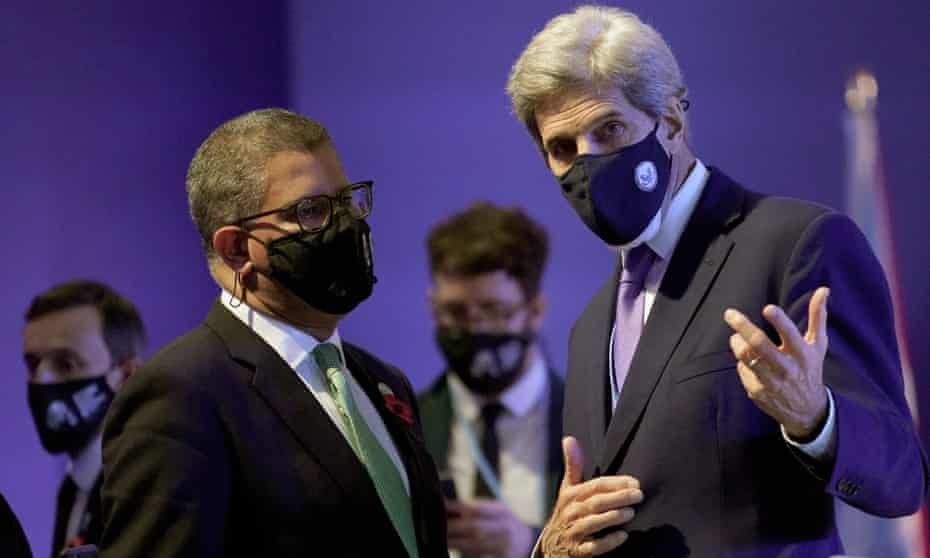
618, 194
486, 363
331, 270
67, 414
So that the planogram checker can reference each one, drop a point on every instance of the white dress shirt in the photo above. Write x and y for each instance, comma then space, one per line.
523, 440
84, 469
294, 347
663, 243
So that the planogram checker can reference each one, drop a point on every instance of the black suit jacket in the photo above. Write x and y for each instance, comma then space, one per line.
717, 476
215, 448
436, 409
91, 524
13, 543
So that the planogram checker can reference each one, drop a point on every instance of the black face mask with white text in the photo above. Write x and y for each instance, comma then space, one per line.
618, 194
68, 414
486, 363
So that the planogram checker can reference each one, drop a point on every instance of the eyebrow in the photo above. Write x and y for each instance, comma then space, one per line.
56, 353
593, 123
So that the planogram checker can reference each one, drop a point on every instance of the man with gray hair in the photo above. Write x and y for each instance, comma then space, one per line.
706, 412
261, 432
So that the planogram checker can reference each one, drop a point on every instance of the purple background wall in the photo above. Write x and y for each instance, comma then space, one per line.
413, 93
105, 104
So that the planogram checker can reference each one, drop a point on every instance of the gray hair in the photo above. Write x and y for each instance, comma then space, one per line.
226, 178
595, 47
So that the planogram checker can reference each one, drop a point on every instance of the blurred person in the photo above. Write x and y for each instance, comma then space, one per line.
714, 405
13, 542
261, 432
82, 340
499, 402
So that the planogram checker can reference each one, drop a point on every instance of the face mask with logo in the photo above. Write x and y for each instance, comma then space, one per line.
486, 363
68, 414
331, 270
618, 194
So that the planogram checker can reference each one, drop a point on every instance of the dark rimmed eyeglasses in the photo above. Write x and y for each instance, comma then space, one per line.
461, 314
314, 213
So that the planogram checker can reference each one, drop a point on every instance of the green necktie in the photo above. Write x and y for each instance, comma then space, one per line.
381, 469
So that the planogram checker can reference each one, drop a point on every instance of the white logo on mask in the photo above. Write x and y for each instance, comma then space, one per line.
646, 176
510, 353
89, 399
484, 365
59, 415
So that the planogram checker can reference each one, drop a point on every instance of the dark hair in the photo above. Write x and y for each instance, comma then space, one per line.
485, 238
122, 327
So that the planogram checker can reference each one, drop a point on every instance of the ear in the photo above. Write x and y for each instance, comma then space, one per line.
672, 130
231, 244
120, 373
537, 308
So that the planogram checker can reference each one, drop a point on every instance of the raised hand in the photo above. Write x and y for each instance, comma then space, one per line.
785, 382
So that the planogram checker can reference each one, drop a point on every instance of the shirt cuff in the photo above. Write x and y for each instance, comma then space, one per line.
537, 552
823, 447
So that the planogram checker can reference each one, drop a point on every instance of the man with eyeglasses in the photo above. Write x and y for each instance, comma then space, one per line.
493, 419
261, 432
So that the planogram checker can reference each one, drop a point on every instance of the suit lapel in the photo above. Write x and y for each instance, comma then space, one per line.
408, 441
436, 411
279, 386
554, 460
592, 363
696, 261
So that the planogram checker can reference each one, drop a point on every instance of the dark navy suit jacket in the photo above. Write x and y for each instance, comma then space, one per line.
718, 478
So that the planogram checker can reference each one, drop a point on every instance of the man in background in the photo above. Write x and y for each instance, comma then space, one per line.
82, 340
493, 418
13, 543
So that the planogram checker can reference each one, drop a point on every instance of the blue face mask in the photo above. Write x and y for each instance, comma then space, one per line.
618, 194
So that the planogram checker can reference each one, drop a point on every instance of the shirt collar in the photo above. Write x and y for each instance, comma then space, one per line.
678, 214
519, 399
86, 466
292, 344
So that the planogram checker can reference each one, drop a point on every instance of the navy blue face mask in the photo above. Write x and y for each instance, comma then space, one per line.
618, 194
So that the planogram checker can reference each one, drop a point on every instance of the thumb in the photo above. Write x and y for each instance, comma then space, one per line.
574, 461
817, 317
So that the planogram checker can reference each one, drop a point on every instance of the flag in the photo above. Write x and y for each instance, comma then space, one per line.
867, 204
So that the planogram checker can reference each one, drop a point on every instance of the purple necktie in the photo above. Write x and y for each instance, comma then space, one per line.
631, 303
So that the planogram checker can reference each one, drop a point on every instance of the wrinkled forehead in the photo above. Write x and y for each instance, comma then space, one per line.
290, 175
569, 113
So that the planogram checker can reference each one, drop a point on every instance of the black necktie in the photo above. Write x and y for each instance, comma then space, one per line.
489, 447
66, 495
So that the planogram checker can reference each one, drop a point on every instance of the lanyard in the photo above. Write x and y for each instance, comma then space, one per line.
481, 461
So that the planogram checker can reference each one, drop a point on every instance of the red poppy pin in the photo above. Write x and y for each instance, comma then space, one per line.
397, 406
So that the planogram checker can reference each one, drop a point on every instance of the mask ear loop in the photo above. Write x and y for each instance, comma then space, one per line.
235, 301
